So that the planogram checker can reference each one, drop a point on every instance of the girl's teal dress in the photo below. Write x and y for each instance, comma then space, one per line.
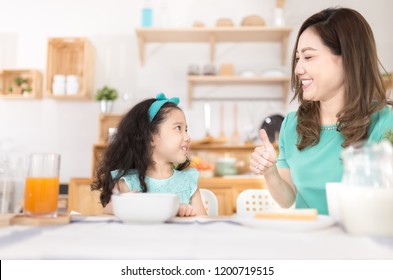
314, 166
183, 183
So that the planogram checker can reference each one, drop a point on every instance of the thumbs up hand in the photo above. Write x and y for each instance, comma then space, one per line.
264, 158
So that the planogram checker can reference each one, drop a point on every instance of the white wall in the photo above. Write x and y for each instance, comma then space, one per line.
70, 128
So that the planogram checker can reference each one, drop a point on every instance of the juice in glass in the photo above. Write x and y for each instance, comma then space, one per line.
41, 196
42, 185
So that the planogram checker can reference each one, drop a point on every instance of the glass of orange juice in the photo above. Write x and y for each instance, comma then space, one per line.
42, 185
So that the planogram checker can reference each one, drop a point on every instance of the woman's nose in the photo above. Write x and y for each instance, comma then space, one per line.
299, 69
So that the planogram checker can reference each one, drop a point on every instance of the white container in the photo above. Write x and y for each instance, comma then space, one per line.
279, 19
59, 79
333, 200
72, 88
145, 207
72, 79
367, 210
58, 88
59, 85
72, 85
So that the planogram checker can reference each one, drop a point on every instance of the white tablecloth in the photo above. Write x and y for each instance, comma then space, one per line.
109, 239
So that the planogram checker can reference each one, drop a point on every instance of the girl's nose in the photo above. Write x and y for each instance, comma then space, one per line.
187, 138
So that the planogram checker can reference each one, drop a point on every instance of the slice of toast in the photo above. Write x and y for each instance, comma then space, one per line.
290, 214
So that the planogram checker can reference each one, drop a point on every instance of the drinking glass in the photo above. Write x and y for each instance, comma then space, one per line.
42, 185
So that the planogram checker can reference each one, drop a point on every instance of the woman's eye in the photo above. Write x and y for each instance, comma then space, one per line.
307, 57
178, 127
296, 60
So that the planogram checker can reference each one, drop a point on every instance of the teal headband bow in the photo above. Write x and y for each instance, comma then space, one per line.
161, 100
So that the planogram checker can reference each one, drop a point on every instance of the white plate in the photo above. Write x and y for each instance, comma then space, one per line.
285, 224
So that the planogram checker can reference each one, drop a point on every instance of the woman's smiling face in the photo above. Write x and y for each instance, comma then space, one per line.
320, 72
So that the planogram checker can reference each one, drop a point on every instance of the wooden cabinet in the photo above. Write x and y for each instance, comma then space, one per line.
82, 199
20, 84
107, 121
70, 56
228, 189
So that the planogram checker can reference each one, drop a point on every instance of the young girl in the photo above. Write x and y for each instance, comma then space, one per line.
149, 154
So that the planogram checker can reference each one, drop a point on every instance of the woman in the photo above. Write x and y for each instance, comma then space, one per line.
336, 79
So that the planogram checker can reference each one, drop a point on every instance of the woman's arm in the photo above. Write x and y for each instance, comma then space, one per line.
278, 180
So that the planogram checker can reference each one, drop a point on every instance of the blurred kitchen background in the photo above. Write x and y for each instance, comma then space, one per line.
71, 126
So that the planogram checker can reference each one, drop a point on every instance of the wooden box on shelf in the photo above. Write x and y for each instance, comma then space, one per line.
21, 84
107, 121
70, 56
82, 199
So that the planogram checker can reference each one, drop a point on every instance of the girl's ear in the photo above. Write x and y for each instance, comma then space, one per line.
153, 141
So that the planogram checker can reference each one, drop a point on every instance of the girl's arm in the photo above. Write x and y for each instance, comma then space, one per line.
194, 208
197, 204
122, 187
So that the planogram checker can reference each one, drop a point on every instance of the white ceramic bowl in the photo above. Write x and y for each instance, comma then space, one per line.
145, 207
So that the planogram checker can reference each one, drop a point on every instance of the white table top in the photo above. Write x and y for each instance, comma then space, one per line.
109, 239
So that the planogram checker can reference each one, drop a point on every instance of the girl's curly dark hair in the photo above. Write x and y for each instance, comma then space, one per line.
131, 148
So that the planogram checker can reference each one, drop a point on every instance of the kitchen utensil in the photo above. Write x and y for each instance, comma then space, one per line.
272, 126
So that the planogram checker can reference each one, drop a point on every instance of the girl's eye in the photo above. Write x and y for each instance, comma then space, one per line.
178, 127
307, 57
296, 60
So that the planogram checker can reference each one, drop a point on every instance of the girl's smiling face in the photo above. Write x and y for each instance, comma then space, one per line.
320, 72
172, 142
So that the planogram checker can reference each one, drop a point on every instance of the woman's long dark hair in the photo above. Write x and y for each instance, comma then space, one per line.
131, 148
346, 33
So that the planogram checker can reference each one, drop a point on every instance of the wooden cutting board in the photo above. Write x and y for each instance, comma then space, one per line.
21, 219
5, 219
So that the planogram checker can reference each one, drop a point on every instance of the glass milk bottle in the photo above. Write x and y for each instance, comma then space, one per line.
366, 196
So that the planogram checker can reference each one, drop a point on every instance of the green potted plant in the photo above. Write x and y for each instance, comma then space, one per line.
388, 135
106, 96
20, 82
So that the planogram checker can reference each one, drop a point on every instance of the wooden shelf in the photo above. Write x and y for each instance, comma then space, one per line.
230, 80
70, 56
213, 36
388, 81
32, 80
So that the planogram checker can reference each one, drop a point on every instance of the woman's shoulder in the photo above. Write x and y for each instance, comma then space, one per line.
384, 116
290, 120
381, 122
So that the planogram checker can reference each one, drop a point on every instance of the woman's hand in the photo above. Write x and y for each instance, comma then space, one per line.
264, 158
186, 210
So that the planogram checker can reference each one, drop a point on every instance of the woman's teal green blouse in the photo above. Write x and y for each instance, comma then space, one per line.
314, 166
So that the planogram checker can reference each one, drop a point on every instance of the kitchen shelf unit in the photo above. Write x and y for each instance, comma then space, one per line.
32, 80
238, 80
388, 81
213, 36
71, 56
